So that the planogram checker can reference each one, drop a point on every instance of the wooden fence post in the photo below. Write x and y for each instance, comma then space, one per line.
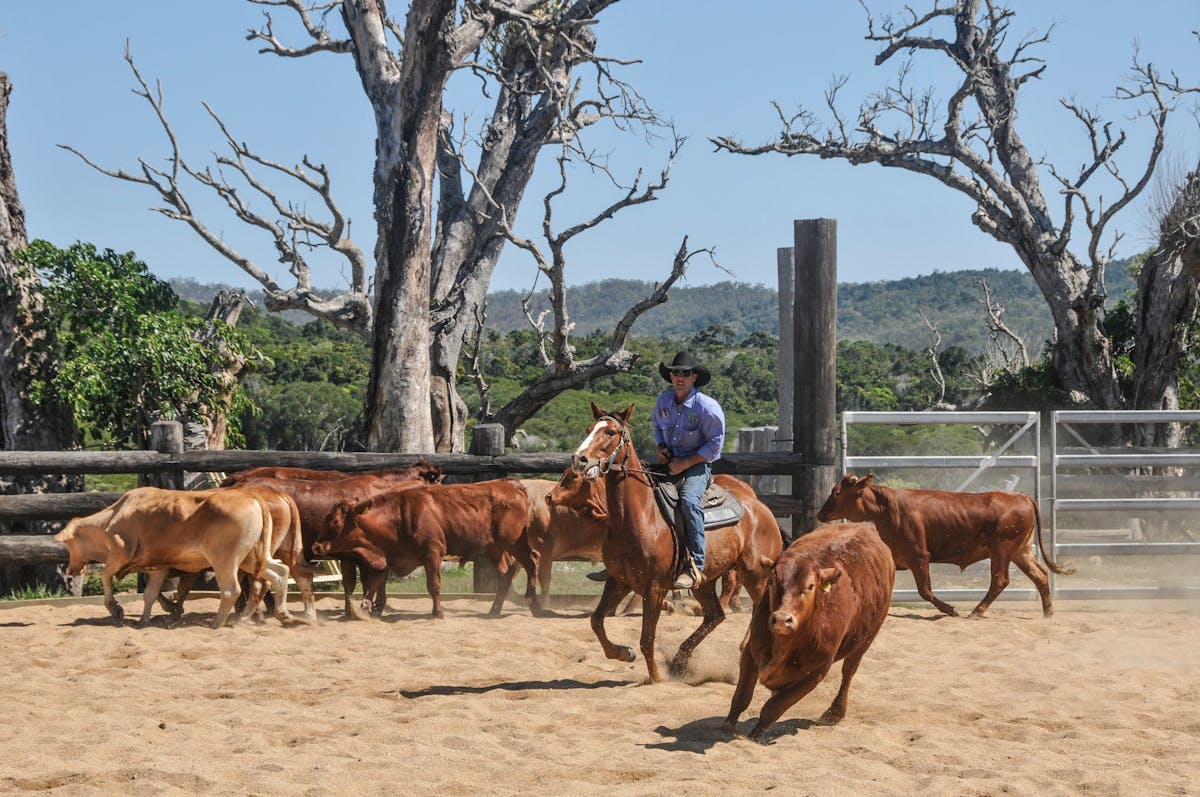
814, 413
166, 437
487, 440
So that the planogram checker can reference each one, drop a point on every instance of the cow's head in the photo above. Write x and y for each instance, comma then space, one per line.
795, 590
845, 500
85, 543
576, 493
606, 438
340, 524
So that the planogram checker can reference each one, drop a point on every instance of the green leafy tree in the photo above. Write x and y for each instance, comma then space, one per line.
129, 357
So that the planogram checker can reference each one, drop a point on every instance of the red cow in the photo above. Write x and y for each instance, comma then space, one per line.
315, 499
422, 471
826, 599
923, 526
405, 529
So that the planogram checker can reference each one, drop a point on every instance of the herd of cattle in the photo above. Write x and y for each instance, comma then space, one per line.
826, 598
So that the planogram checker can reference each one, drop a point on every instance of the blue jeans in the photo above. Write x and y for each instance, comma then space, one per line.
691, 509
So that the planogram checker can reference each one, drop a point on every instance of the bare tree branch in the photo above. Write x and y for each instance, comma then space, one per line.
292, 229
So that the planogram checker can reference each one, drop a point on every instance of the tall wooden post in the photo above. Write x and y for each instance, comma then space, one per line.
814, 378
487, 440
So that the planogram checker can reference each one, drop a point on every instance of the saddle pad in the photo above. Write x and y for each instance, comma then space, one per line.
720, 506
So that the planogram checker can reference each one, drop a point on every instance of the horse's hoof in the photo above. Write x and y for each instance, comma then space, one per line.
626, 654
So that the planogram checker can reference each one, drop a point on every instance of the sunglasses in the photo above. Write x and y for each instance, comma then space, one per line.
682, 373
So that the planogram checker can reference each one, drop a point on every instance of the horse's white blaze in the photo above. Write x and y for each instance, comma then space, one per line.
587, 441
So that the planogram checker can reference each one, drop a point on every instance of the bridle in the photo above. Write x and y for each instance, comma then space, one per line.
608, 463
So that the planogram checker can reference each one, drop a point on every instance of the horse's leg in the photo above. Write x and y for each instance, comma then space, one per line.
614, 591
744, 691
731, 586
652, 604
706, 594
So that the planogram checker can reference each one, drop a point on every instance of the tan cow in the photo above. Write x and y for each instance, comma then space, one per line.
152, 530
286, 539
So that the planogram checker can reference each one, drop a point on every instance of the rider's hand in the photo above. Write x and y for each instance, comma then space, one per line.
664, 454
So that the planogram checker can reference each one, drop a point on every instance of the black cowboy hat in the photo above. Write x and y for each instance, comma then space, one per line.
683, 362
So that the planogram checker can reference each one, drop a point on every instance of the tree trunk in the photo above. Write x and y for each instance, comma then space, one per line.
408, 109
24, 355
1168, 294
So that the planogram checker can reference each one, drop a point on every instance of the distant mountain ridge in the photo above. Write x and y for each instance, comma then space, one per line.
887, 311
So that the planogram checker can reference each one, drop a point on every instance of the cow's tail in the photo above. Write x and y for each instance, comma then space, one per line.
266, 543
298, 558
1064, 569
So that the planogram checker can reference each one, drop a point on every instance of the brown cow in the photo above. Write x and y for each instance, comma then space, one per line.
315, 500
149, 529
561, 532
422, 471
826, 599
405, 529
923, 526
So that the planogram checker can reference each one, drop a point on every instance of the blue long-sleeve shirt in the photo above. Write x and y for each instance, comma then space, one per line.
694, 426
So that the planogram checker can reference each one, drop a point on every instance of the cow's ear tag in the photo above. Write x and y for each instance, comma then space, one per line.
826, 587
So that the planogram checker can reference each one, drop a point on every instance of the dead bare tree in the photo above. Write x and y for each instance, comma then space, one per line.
971, 144
431, 271
935, 367
1007, 351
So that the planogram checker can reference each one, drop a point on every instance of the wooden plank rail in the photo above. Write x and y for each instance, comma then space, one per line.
32, 549
45, 462
53, 506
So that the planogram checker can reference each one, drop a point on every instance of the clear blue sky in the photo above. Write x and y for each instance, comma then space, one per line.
715, 71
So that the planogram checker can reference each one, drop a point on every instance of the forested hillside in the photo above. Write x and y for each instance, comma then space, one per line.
884, 312
309, 390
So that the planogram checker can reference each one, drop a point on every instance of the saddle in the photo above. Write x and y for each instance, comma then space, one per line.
720, 506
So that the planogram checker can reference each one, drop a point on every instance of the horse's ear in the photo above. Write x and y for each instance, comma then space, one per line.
597, 413
627, 414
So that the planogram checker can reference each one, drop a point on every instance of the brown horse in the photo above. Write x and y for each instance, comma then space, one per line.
640, 551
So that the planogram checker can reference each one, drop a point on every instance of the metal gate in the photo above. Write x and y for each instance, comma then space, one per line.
1120, 511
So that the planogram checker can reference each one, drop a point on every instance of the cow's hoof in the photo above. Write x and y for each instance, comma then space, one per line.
677, 667
830, 717
625, 653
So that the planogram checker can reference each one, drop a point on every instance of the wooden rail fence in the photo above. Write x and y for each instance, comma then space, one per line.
168, 468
